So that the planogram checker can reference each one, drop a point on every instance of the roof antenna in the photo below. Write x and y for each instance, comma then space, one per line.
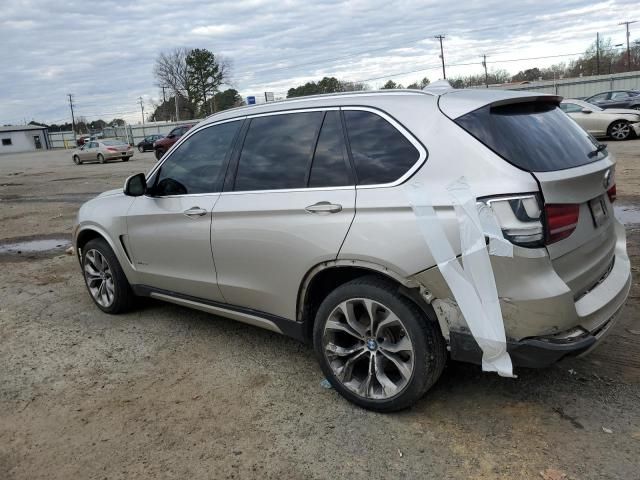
439, 86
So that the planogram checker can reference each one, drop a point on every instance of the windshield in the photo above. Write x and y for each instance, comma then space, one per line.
534, 136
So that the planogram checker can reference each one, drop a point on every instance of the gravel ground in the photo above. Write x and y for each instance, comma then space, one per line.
166, 392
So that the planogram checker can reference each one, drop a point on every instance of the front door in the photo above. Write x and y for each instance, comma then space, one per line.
169, 228
89, 151
289, 209
36, 141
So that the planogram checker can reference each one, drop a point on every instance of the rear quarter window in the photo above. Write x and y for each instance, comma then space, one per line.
381, 153
534, 136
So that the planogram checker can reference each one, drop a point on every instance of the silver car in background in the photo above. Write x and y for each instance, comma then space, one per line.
101, 151
295, 216
616, 123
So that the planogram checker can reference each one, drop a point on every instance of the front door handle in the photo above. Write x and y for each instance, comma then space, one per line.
195, 212
324, 207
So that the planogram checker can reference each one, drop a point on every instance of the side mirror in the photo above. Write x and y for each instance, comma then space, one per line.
136, 185
587, 110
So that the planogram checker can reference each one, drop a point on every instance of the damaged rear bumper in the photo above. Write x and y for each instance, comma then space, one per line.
535, 352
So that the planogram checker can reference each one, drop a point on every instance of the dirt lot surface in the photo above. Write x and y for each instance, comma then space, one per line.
166, 392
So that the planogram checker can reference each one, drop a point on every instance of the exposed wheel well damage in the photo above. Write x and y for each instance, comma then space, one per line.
325, 278
85, 236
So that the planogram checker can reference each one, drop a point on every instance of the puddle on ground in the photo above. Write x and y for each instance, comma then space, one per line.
627, 214
35, 246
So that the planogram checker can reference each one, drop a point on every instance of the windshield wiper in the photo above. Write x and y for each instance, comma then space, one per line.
598, 149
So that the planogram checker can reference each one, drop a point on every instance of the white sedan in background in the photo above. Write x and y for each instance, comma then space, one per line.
617, 123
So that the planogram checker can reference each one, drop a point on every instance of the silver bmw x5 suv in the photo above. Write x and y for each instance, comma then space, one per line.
297, 217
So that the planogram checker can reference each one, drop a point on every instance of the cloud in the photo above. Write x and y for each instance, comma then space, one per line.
105, 56
215, 30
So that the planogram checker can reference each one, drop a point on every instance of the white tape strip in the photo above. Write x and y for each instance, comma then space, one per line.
472, 282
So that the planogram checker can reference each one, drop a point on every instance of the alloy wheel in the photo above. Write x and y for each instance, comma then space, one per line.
99, 278
368, 349
620, 130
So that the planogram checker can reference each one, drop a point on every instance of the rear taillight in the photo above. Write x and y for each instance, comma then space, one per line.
519, 218
612, 193
112, 149
561, 220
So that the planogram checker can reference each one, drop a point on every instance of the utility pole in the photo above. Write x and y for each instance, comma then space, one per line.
164, 100
142, 108
627, 23
441, 37
597, 53
73, 120
486, 75
176, 102
141, 102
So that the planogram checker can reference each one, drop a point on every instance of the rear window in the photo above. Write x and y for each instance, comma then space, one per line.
113, 143
534, 136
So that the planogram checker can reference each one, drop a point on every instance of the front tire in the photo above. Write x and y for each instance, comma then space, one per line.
159, 153
140, 148
101, 158
76, 160
106, 282
619, 130
376, 347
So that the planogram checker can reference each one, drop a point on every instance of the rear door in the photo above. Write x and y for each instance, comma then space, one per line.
169, 228
289, 205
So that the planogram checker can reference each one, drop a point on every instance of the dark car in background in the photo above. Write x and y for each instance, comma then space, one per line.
161, 146
147, 142
616, 99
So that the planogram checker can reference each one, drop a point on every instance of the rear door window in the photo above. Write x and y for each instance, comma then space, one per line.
381, 153
197, 166
329, 167
534, 136
277, 151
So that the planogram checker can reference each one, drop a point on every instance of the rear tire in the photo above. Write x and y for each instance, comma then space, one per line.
619, 130
126, 159
101, 158
76, 160
106, 282
386, 363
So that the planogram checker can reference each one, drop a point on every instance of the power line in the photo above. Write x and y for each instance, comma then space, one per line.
437, 67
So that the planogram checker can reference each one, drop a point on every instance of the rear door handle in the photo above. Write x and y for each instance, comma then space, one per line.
324, 207
195, 212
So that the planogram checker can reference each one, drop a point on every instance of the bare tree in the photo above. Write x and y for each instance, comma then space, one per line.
171, 70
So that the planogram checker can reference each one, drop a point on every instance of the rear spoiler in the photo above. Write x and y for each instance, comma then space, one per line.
541, 98
457, 103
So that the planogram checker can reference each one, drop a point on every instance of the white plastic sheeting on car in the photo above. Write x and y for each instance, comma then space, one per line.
470, 279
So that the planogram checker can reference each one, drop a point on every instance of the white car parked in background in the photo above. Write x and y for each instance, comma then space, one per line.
617, 123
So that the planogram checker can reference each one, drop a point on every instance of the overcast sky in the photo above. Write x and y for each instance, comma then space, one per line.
103, 52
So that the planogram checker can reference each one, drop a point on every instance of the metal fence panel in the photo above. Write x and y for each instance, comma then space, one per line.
582, 86
129, 133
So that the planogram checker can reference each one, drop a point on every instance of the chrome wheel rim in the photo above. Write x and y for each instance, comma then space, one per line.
620, 131
368, 349
99, 278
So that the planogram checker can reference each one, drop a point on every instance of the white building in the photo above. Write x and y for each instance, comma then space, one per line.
23, 138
